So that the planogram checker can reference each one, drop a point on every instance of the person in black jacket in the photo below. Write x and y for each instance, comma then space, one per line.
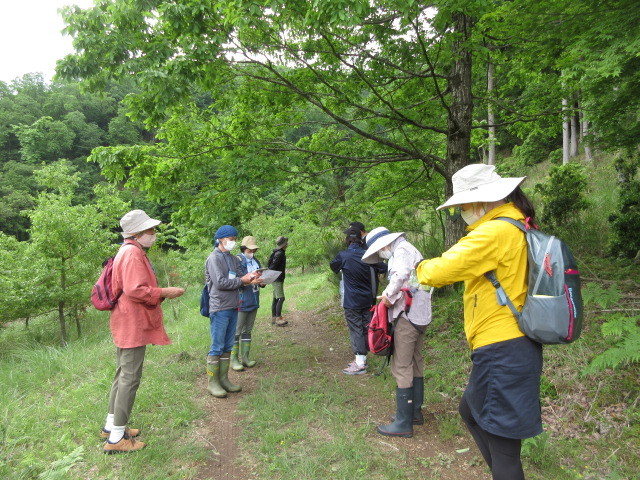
278, 261
360, 290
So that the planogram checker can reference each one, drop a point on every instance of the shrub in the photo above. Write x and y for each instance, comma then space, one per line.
625, 224
563, 196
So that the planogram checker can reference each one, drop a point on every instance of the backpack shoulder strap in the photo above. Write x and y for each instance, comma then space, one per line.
512, 221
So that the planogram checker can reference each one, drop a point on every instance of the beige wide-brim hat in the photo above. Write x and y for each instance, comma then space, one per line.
136, 221
249, 242
480, 183
377, 239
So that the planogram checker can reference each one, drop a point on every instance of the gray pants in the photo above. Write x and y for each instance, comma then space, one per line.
358, 323
245, 322
407, 361
125, 383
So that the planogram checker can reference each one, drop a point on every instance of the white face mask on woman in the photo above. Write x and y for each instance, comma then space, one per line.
248, 255
229, 245
386, 253
470, 216
147, 240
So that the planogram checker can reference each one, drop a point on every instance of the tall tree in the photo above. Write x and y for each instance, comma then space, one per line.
392, 77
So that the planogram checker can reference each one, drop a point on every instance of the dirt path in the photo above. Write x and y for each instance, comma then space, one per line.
435, 458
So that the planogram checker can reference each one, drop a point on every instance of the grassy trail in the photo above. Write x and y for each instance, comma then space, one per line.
298, 416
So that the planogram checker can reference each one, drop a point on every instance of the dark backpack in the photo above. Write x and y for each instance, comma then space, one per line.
379, 334
102, 296
204, 301
552, 312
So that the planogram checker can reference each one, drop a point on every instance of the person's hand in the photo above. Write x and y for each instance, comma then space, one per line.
172, 292
386, 301
249, 278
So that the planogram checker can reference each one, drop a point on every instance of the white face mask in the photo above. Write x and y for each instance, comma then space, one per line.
248, 255
229, 245
386, 254
470, 216
147, 240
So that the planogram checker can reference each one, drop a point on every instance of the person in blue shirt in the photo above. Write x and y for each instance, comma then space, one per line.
249, 304
360, 290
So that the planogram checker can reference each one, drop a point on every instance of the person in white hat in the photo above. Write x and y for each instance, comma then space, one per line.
136, 321
407, 365
500, 405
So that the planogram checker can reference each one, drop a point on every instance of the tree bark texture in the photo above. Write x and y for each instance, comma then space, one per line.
460, 111
491, 118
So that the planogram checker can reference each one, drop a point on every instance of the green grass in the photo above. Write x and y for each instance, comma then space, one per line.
53, 401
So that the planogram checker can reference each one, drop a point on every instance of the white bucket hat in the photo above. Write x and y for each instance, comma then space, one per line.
377, 239
136, 221
480, 183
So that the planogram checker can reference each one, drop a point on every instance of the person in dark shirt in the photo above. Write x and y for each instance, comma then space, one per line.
360, 287
278, 261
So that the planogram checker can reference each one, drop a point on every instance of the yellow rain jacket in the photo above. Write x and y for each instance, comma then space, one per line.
489, 245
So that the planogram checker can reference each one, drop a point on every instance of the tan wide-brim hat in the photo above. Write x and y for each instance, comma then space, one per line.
480, 183
249, 242
136, 221
377, 239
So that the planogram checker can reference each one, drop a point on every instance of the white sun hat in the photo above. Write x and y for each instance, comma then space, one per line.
480, 183
136, 221
377, 239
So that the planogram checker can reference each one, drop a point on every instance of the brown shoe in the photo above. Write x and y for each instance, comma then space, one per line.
279, 321
128, 433
125, 445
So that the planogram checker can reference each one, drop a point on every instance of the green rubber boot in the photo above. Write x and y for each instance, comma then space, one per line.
236, 363
245, 350
224, 375
213, 370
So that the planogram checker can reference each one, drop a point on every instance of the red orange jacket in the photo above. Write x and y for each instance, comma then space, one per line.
136, 319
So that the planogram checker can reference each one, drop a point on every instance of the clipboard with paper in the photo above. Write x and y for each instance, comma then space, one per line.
269, 276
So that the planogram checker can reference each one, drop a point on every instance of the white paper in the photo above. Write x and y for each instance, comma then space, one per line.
269, 276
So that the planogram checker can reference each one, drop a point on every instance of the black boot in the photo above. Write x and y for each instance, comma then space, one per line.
418, 398
402, 426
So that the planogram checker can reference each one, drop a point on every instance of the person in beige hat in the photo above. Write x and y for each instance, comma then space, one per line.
249, 304
501, 404
136, 321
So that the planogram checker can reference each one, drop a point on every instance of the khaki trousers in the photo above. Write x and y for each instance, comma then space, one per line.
407, 362
125, 383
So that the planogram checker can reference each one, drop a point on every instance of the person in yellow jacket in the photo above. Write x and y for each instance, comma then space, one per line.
501, 404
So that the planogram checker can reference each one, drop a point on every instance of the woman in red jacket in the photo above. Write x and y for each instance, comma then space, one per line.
136, 321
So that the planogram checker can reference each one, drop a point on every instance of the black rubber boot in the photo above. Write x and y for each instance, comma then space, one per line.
402, 426
418, 399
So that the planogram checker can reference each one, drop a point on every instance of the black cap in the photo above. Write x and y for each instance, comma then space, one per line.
356, 225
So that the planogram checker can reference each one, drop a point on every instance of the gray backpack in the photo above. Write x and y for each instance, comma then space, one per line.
552, 312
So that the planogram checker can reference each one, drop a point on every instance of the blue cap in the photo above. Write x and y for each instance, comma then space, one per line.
226, 231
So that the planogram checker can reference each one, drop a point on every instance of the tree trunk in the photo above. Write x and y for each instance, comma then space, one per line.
63, 286
76, 315
574, 134
63, 326
565, 133
588, 155
459, 121
491, 118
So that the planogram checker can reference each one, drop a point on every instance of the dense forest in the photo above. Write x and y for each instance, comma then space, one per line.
294, 118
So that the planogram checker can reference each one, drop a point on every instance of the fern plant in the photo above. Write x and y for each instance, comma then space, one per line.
625, 351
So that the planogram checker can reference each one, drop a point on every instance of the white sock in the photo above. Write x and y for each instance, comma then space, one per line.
361, 360
108, 423
116, 434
